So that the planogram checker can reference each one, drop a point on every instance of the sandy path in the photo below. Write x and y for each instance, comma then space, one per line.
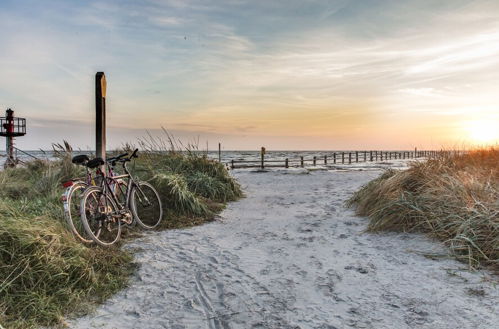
291, 256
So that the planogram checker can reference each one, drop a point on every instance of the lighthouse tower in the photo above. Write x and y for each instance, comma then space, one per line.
11, 127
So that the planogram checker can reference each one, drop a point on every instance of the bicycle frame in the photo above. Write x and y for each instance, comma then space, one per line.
109, 181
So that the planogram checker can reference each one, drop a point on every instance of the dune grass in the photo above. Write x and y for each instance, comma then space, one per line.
454, 198
45, 273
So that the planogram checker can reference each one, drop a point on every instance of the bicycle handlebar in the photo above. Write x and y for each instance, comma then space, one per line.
116, 158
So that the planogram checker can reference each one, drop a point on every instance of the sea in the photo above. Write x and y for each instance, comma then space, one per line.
252, 158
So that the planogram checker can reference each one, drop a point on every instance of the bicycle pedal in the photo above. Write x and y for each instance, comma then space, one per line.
127, 218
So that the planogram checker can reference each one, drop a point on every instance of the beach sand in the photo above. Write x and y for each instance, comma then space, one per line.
290, 255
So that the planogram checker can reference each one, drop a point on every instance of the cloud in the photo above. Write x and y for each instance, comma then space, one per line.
259, 68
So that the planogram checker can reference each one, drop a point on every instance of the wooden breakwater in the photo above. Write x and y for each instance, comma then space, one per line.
333, 158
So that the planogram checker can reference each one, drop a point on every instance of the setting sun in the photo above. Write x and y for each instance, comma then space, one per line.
483, 132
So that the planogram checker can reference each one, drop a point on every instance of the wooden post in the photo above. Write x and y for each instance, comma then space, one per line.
100, 115
356, 156
286, 163
232, 164
302, 162
262, 153
325, 160
349, 157
371, 155
365, 156
315, 160
381, 155
342, 157
334, 157
219, 152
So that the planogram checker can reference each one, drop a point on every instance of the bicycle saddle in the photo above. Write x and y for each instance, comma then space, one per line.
80, 159
94, 163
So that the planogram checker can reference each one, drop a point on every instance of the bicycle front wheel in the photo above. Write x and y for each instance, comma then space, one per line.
100, 217
146, 205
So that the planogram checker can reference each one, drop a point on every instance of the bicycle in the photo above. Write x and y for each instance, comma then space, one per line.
73, 192
103, 213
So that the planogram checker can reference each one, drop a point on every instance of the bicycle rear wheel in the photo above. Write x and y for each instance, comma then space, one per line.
100, 217
72, 202
146, 205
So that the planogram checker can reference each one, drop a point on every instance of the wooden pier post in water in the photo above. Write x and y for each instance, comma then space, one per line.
334, 157
302, 162
381, 155
315, 160
286, 163
325, 160
349, 157
342, 157
262, 153
232, 164
219, 152
371, 156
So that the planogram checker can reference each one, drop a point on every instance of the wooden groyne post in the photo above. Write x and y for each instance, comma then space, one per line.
262, 154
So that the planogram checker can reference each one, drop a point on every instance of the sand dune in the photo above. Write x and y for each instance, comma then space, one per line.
290, 255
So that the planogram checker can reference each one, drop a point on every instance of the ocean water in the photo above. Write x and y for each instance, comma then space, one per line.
252, 158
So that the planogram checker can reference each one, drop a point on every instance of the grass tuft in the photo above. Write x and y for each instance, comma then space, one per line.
452, 198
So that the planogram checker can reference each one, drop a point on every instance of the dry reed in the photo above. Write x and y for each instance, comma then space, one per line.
454, 198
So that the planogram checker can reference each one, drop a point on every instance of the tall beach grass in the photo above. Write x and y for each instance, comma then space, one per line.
45, 273
454, 198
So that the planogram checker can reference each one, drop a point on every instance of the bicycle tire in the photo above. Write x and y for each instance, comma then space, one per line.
99, 218
72, 212
146, 205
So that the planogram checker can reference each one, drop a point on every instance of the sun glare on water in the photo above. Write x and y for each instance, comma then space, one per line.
483, 132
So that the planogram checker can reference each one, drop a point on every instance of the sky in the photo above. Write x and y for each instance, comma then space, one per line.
295, 74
